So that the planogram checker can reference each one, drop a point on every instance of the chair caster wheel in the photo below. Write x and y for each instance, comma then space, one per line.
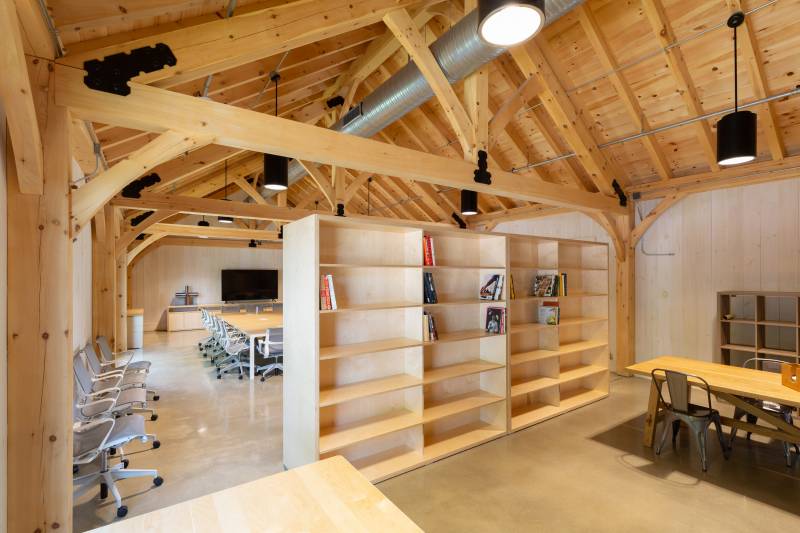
153, 417
125, 463
156, 444
219, 376
103, 491
122, 511
156, 398
112, 451
74, 469
263, 379
158, 481
241, 377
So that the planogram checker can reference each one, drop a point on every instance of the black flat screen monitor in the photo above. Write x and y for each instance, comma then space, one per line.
243, 285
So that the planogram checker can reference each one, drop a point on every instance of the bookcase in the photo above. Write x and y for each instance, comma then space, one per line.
361, 381
758, 324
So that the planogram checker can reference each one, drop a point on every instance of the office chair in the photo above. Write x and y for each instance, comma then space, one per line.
95, 440
783, 412
680, 409
109, 357
209, 342
271, 351
236, 344
126, 379
89, 390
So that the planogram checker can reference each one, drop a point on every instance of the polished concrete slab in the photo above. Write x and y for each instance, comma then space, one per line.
583, 471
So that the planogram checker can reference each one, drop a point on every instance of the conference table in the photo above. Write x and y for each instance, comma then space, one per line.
730, 384
254, 325
322, 497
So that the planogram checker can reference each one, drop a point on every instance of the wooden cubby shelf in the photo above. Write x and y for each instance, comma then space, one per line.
363, 383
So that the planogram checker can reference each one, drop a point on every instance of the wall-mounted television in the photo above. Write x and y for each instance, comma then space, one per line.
244, 285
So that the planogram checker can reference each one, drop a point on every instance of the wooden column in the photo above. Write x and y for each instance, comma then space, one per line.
121, 305
625, 287
40, 330
103, 274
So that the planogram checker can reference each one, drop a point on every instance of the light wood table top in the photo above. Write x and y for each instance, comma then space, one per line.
734, 380
326, 496
254, 323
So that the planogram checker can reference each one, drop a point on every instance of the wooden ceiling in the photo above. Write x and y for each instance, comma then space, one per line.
623, 66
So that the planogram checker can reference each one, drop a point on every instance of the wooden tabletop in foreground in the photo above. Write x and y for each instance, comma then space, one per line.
325, 496
725, 378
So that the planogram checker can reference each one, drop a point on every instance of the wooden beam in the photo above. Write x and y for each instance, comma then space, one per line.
17, 99
103, 278
160, 110
667, 202
406, 32
39, 333
680, 72
127, 237
531, 62
322, 182
36, 36
251, 191
623, 90
222, 44
510, 106
211, 207
127, 259
359, 180
188, 166
185, 230
517, 213
758, 81
90, 198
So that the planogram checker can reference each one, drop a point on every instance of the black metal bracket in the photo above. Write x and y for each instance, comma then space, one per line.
280, 232
112, 73
339, 210
459, 221
138, 219
623, 199
636, 195
134, 188
482, 174
336, 101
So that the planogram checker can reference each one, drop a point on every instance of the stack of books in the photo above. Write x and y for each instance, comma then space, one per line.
492, 288
327, 294
429, 332
428, 253
549, 313
496, 320
429, 289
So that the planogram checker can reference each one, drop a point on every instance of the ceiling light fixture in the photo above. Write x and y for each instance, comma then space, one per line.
252, 244
276, 167
222, 218
469, 202
509, 22
736, 132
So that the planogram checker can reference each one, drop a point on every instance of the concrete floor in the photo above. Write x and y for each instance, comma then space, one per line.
583, 471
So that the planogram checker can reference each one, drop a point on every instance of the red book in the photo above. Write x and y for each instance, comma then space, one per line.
426, 246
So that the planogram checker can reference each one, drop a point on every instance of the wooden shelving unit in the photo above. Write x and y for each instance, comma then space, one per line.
760, 324
361, 382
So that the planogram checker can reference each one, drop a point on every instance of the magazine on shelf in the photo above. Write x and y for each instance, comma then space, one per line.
327, 294
545, 285
332, 292
492, 287
549, 313
429, 289
429, 332
496, 320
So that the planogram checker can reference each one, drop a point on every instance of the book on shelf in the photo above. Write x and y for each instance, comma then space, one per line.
549, 313
429, 289
545, 285
496, 320
429, 332
429, 252
327, 294
562, 284
492, 287
511, 294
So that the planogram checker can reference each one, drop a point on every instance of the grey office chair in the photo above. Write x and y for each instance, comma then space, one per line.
89, 390
271, 351
680, 409
110, 358
783, 412
118, 377
94, 441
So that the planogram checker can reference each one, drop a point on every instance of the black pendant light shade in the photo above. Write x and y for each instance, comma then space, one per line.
736, 138
203, 223
509, 22
276, 172
736, 132
252, 244
469, 202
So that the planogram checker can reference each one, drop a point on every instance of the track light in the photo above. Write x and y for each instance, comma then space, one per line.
509, 22
252, 244
469, 202
276, 167
225, 219
736, 132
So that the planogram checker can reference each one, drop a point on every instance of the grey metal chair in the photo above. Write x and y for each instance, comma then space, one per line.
680, 409
111, 360
271, 351
89, 390
784, 412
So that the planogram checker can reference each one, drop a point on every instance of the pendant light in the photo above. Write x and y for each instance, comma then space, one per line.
736, 132
203, 224
276, 167
469, 202
222, 218
252, 244
509, 22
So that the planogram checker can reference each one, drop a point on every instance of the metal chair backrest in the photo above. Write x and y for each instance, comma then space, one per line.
679, 388
760, 363
92, 359
81, 370
105, 349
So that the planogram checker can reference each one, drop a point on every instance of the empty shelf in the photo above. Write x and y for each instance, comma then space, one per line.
573, 347
738, 347
381, 465
455, 336
529, 326
577, 294
361, 389
459, 439
532, 384
739, 321
459, 369
364, 265
779, 323
531, 414
776, 351
463, 267
383, 345
336, 437
581, 320
372, 307
472, 301
580, 371
458, 404
533, 266
580, 397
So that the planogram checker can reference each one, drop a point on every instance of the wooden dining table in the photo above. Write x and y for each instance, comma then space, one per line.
732, 385
255, 326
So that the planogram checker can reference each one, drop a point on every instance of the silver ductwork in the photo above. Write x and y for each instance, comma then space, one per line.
459, 52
